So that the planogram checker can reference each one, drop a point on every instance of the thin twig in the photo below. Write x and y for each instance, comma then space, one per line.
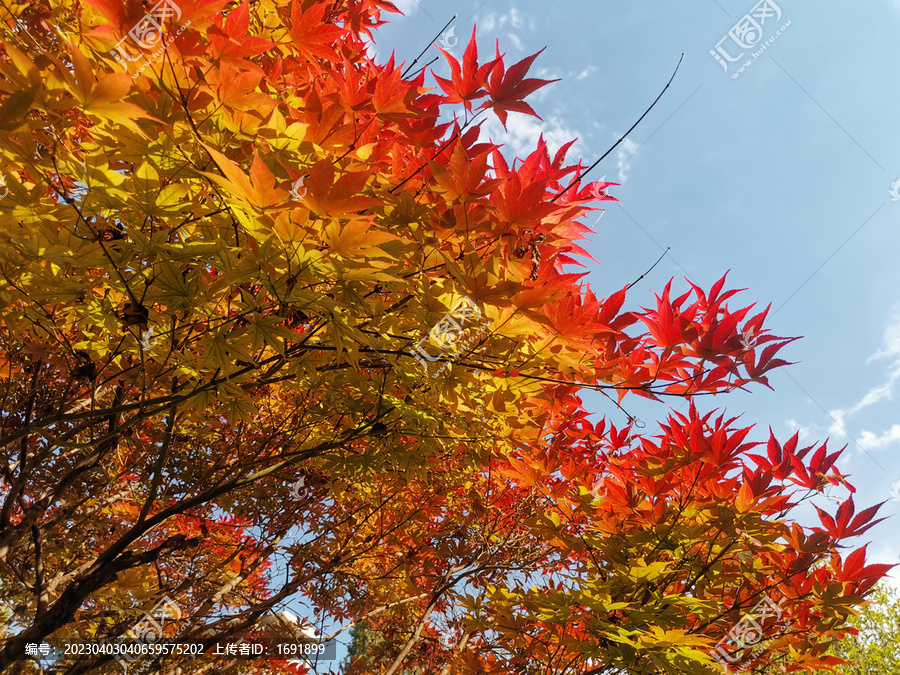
415, 60
624, 136
416, 74
650, 270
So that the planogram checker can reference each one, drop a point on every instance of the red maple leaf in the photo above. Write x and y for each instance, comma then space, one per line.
312, 34
508, 88
466, 82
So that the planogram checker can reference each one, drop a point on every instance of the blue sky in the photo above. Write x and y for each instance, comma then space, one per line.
782, 175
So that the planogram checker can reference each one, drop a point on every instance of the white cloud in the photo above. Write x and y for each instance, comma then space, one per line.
891, 340
838, 424
584, 73
523, 132
883, 391
408, 7
868, 440
370, 48
871, 441
517, 42
542, 74
810, 433
623, 156
490, 21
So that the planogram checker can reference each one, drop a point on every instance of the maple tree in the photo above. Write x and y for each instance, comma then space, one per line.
218, 268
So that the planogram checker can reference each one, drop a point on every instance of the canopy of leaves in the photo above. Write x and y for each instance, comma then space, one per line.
222, 270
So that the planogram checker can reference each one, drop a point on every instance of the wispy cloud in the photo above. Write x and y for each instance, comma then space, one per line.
890, 350
515, 18
370, 48
544, 92
523, 132
809, 433
890, 340
493, 20
408, 7
872, 441
623, 159
585, 73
